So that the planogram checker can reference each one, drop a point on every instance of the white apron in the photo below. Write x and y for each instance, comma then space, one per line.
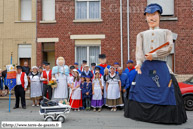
76, 94
97, 90
61, 91
36, 90
113, 91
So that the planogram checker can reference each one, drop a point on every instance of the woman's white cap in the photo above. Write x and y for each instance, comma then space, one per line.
34, 67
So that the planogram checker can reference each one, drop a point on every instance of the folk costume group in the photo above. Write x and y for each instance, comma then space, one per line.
149, 91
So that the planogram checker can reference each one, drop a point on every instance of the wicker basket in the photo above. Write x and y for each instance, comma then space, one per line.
54, 86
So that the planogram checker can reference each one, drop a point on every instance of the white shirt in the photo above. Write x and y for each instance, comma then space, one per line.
151, 39
47, 72
18, 80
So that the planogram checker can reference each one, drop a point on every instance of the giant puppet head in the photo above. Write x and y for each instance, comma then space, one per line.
102, 59
60, 61
152, 13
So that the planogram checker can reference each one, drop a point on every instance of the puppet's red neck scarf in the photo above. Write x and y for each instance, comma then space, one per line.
103, 65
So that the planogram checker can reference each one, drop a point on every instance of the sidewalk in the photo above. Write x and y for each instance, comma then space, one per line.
27, 95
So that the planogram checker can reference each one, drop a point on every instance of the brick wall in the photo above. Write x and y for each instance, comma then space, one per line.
64, 27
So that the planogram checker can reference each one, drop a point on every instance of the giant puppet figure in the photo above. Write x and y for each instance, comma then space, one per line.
60, 74
102, 66
155, 95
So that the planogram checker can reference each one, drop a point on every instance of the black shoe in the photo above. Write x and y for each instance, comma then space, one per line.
24, 107
15, 107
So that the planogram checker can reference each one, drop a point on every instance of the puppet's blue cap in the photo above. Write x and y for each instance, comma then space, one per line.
129, 61
75, 63
151, 8
116, 63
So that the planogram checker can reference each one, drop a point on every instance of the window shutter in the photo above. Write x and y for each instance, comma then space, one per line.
167, 5
48, 10
26, 10
24, 51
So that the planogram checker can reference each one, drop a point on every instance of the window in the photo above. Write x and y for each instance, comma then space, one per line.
89, 53
167, 5
88, 9
48, 10
26, 10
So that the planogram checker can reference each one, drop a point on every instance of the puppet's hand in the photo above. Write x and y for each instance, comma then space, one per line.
138, 69
149, 57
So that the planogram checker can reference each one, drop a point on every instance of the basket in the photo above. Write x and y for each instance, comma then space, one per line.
54, 86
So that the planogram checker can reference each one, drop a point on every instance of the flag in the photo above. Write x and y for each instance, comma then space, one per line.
11, 76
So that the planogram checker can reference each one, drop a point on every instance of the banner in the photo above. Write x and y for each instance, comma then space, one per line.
11, 76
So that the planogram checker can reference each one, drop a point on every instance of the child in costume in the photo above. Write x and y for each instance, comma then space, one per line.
87, 92
76, 97
97, 99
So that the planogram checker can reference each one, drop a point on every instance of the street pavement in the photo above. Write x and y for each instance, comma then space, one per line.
86, 119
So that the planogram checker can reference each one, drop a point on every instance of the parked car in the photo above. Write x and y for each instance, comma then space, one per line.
186, 88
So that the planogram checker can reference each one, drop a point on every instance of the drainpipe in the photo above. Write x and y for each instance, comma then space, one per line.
121, 28
128, 40
36, 21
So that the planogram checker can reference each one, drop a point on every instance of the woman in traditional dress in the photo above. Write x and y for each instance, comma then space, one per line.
60, 74
113, 87
36, 90
76, 95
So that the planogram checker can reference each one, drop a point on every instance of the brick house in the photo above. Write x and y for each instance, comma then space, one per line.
81, 29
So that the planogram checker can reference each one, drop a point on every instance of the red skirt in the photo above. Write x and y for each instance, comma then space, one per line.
76, 103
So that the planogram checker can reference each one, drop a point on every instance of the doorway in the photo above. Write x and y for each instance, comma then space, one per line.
48, 50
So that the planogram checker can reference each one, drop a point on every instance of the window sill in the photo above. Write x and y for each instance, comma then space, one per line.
48, 22
88, 20
168, 18
1, 21
25, 21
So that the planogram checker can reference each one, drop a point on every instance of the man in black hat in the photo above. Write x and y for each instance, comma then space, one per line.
44, 65
20, 88
46, 76
93, 65
84, 62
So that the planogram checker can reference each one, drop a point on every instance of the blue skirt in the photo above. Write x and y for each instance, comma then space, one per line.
153, 85
153, 99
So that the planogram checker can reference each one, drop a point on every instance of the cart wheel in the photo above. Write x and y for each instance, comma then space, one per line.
61, 119
49, 118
